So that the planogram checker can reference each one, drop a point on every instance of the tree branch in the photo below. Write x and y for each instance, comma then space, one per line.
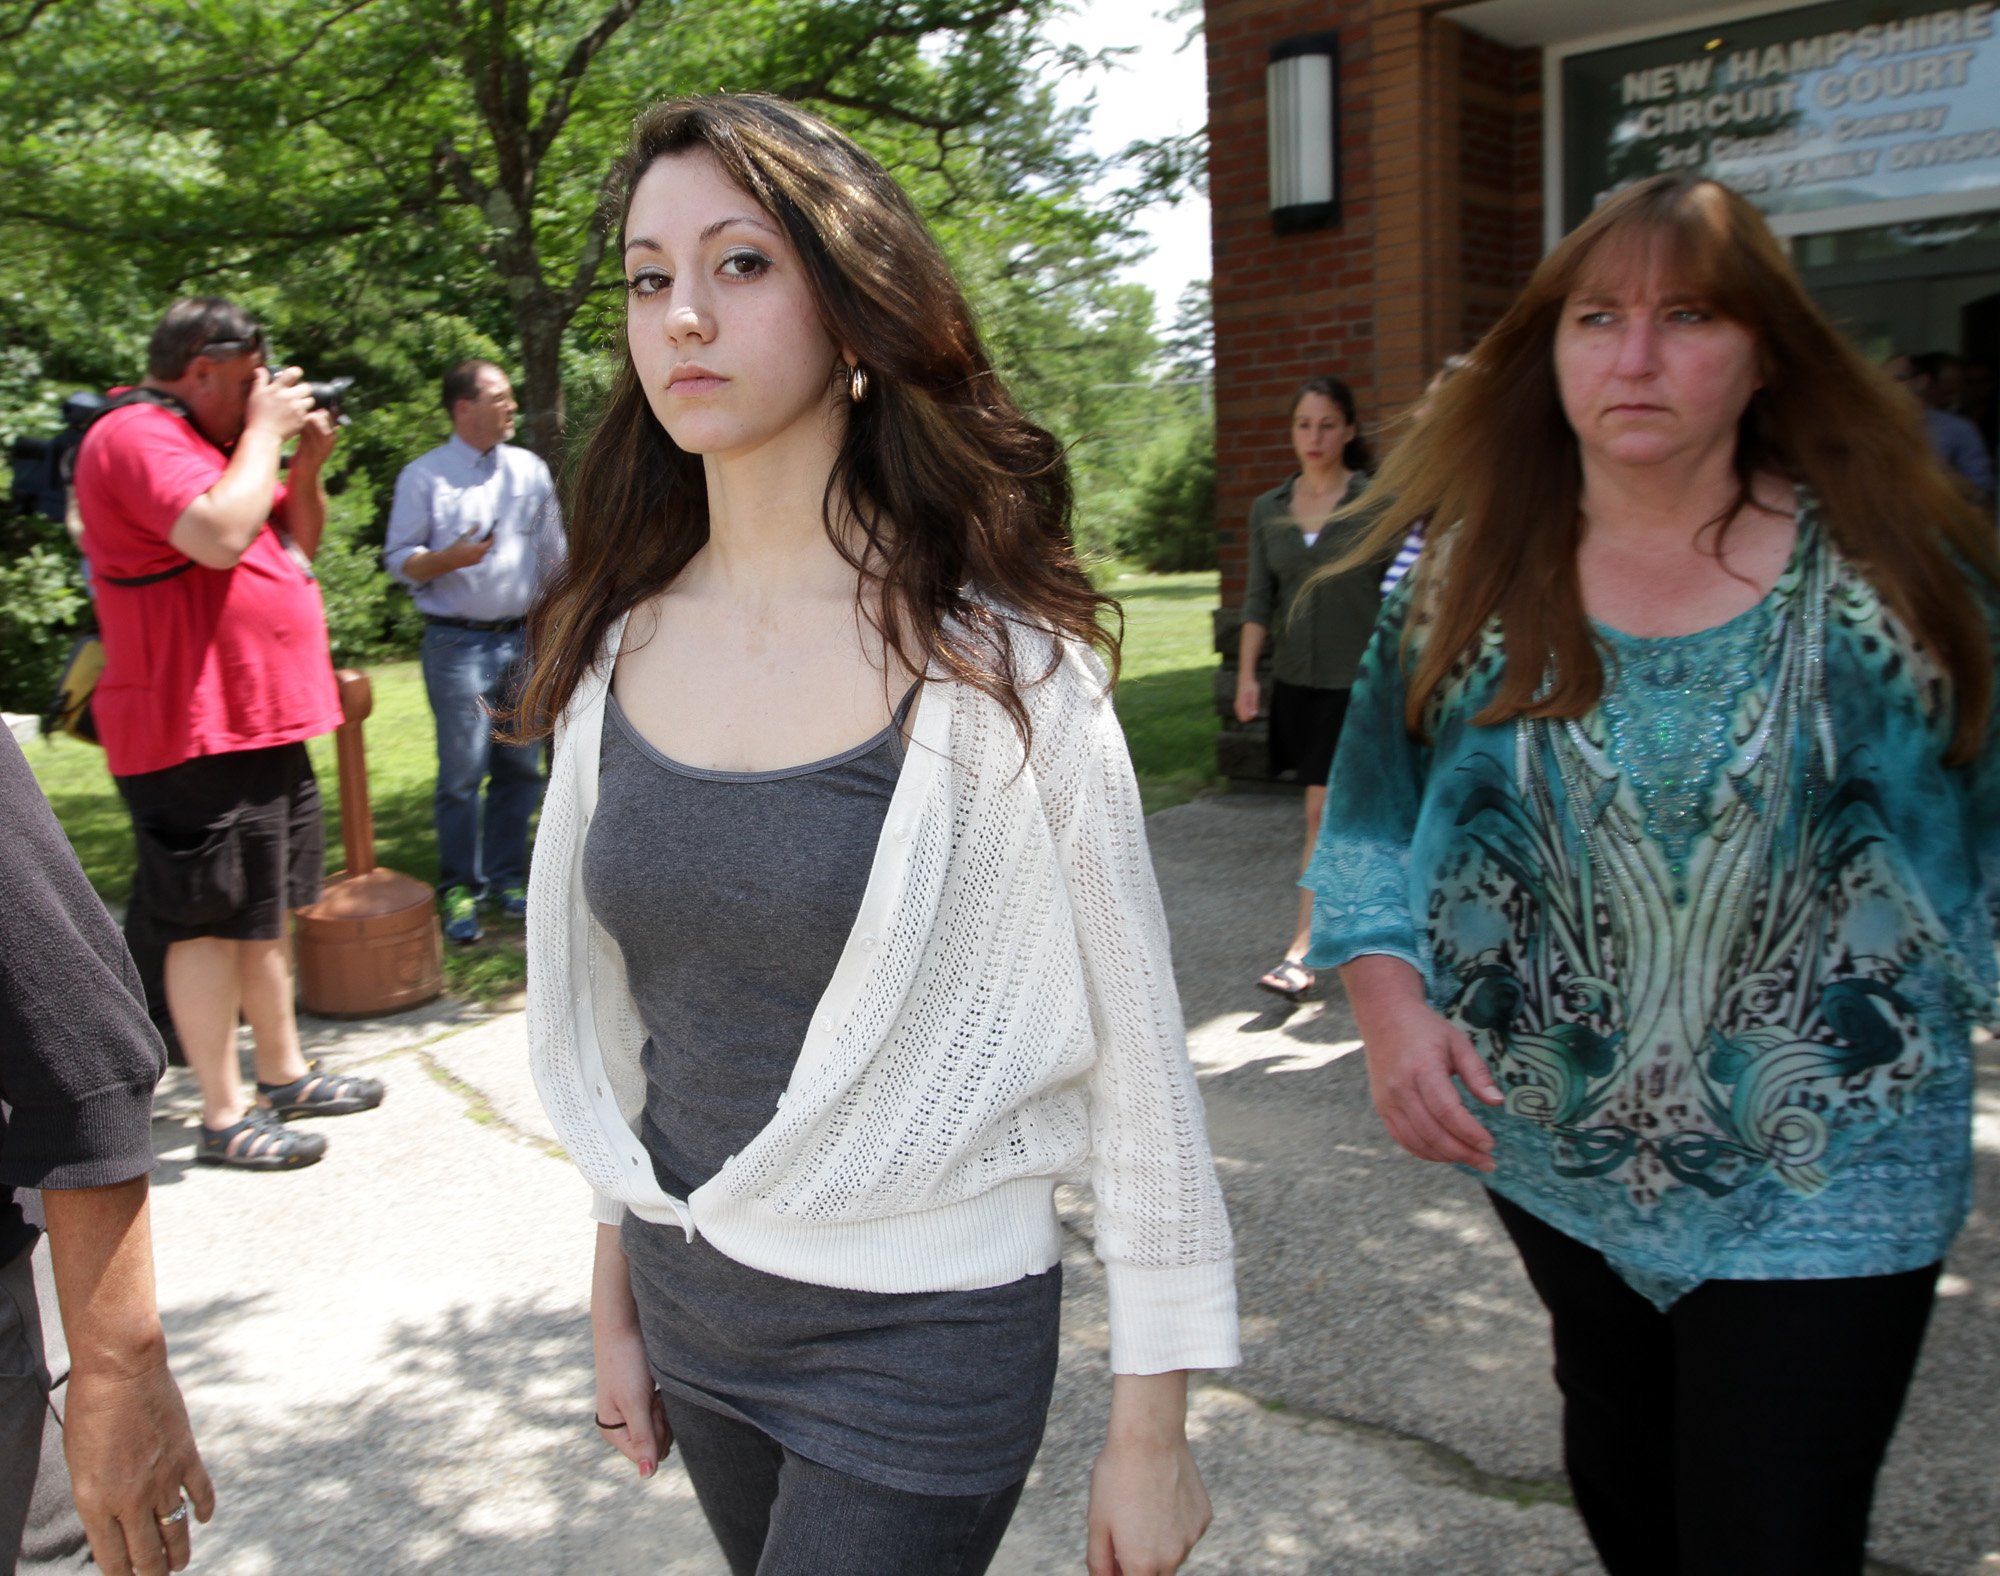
819, 85
584, 277
206, 235
972, 21
497, 78
881, 109
389, 87
16, 27
452, 166
276, 68
556, 114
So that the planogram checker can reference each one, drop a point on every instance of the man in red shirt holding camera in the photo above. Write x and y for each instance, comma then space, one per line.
216, 673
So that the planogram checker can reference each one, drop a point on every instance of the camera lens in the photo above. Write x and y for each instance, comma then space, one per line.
331, 394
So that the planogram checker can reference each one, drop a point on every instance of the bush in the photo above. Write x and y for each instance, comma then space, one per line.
43, 607
43, 604
369, 616
1168, 523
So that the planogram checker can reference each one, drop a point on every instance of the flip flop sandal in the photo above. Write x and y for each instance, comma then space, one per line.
1291, 979
260, 1142
323, 1094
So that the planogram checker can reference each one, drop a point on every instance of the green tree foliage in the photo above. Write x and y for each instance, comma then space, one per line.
1161, 515
453, 154
393, 185
1169, 522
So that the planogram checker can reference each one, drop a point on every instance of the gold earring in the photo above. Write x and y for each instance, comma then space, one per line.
857, 383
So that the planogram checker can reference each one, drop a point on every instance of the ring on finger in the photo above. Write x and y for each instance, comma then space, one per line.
607, 1427
176, 1516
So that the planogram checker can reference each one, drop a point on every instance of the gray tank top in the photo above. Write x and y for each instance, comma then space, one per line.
731, 896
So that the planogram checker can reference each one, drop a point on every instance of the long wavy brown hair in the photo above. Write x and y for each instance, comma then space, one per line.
1495, 468
951, 505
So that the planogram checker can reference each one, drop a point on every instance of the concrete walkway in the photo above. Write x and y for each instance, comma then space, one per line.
387, 1355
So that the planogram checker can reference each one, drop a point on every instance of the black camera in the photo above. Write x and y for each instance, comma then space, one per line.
43, 465
331, 396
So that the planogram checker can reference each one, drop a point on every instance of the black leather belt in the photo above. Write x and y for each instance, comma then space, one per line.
486, 626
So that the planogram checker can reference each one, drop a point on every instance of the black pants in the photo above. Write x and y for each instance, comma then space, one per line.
40, 1534
778, 1514
1740, 1432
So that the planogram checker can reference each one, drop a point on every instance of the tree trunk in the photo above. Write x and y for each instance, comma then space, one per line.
540, 322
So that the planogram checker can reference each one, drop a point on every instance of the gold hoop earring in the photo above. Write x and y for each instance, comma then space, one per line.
857, 383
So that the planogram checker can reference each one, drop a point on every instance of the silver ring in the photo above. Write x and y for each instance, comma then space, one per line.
176, 1516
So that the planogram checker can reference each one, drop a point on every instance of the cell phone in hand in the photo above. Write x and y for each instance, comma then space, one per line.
478, 532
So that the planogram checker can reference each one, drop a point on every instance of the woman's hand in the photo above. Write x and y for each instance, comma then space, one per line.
1249, 651
1148, 1508
1249, 698
629, 1412
1413, 1055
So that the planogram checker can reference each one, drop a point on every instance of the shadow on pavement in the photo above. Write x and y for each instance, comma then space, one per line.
463, 1451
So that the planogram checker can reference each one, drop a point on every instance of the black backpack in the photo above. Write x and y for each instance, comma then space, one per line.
68, 708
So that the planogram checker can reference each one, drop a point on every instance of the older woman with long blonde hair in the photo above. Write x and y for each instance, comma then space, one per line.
1664, 824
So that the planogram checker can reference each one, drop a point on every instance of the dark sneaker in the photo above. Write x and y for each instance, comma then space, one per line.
461, 916
513, 903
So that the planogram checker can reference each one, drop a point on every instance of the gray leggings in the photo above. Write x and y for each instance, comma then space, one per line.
777, 1514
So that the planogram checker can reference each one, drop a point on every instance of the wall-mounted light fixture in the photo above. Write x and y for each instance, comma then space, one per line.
1302, 103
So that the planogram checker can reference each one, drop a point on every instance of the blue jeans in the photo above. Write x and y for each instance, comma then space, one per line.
466, 671
777, 1514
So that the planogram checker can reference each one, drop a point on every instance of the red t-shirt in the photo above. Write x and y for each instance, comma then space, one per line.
213, 660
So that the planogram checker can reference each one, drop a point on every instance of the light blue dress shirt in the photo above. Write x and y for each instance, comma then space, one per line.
454, 488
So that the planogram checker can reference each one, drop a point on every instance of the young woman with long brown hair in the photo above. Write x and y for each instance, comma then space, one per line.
1665, 823
844, 945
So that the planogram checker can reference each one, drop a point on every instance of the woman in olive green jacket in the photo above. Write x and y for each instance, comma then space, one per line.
1317, 638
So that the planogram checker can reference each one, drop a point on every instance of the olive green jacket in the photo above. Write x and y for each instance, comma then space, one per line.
1318, 641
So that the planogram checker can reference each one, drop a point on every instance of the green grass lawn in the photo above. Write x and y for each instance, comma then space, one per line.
1164, 700
1166, 691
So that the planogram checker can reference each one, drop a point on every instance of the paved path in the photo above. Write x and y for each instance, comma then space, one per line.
387, 1355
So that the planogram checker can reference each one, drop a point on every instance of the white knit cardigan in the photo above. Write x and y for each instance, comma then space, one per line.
1003, 1017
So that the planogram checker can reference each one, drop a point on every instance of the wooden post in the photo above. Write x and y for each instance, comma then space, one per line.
357, 817
371, 944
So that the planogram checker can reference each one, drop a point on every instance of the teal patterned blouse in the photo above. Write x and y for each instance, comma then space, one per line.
1722, 941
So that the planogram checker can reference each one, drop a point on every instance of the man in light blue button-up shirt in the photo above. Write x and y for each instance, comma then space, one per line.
473, 532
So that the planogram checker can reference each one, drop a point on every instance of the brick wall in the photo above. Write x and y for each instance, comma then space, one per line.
1500, 177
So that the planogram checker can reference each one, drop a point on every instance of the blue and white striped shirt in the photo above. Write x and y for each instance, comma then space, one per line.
1405, 559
